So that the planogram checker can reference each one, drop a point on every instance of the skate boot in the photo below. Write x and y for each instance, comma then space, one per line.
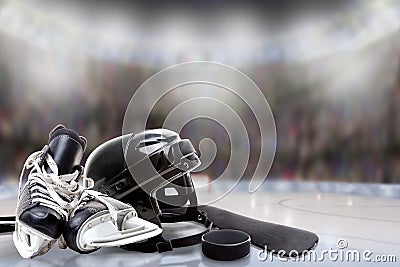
101, 221
48, 191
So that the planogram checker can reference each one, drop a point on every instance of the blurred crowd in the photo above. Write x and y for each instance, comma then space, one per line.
323, 134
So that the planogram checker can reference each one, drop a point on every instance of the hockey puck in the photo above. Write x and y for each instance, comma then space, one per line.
225, 244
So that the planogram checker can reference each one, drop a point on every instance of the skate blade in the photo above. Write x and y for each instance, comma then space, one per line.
102, 232
28, 241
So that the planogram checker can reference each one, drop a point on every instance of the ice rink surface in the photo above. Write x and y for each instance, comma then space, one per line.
346, 217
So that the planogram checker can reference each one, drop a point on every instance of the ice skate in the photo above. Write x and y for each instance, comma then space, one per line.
101, 221
48, 191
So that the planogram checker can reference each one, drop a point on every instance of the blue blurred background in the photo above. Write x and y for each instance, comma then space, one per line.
329, 70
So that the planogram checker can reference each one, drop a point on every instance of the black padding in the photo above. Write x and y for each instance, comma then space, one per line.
66, 148
275, 236
45, 220
226, 244
61, 130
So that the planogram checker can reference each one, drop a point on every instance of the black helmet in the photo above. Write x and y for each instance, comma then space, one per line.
151, 171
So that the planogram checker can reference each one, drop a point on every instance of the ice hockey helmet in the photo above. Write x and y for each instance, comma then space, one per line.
151, 171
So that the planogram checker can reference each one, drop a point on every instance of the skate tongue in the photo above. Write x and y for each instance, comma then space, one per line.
66, 147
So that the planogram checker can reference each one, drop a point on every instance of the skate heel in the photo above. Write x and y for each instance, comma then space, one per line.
30, 242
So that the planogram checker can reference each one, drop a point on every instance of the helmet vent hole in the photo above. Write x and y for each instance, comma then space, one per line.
147, 143
170, 191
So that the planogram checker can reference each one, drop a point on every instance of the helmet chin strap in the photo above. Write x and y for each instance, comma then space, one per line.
160, 244
172, 215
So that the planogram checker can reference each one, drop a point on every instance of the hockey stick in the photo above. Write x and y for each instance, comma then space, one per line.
265, 235
7, 224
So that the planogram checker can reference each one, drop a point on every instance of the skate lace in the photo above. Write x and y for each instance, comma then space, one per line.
88, 195
58, 192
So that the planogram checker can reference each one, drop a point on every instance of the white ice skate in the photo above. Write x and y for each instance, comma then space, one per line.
43, 207
48, 191
55, 201
101, 221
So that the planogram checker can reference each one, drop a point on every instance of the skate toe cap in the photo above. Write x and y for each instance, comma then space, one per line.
44, 220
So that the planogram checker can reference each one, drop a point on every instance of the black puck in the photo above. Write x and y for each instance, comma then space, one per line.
225, 244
